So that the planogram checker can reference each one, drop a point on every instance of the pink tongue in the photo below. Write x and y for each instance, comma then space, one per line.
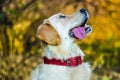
79, 32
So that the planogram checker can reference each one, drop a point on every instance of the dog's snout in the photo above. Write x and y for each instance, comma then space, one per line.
82, 10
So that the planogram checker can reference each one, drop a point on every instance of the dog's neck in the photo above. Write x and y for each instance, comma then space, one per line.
62, 51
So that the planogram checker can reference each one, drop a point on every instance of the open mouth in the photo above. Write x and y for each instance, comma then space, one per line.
80, 31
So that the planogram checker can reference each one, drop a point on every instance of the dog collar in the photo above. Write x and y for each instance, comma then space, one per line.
71, 62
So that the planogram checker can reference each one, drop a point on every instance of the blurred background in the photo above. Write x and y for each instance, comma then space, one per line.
20, 50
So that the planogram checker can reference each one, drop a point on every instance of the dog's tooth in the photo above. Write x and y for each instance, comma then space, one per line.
86, 25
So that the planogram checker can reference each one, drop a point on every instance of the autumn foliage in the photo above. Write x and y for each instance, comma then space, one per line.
20, 49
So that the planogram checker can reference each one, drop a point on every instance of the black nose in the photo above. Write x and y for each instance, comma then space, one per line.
82, 10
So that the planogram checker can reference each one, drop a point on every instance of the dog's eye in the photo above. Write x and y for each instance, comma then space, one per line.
62, 16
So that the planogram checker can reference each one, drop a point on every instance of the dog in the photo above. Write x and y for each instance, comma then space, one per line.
62, 58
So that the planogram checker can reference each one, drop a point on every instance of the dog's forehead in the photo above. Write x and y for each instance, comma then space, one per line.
55, 16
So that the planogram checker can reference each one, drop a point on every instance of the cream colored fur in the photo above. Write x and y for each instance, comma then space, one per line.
66, 49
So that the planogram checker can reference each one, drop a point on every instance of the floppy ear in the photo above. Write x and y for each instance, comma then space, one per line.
47, 33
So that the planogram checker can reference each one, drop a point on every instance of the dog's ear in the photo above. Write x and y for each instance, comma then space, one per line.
47, 33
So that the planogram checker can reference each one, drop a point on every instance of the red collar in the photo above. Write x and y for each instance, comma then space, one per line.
73, 61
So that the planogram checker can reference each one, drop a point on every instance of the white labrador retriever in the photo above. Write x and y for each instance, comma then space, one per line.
62, 58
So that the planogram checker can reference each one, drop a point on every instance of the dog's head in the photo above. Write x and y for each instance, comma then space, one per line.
59, 27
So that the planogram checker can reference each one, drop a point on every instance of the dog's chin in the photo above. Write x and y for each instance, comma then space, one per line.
80, 31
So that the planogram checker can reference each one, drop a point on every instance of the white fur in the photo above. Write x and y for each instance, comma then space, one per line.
66, 49
53, 72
